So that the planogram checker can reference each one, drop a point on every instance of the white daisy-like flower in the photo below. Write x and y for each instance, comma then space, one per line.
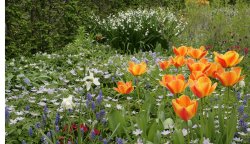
238, 139
137, 132
184, 132
41, 103
242, 83
118, 106
107, 105
206, 141
139, 141
13, 121
165, 132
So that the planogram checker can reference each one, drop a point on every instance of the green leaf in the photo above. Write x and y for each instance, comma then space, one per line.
178, 137
116, 118
152, 132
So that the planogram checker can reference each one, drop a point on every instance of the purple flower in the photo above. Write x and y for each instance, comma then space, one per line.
105, 141
7, 114
99, 97
57, 128
30, 131
241, 109
38, 125
119, 141
49, 134
93, 106
45, 109
57, 118
27, 108
23, 142
27, 81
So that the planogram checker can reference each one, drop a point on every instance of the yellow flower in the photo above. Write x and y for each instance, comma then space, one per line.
137, 69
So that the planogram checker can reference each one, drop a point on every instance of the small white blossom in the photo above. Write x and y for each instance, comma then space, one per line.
165, 132
184, 132
67, 103
119, 107
137, 132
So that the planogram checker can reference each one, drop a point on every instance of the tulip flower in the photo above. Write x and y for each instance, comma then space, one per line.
175, 84
212, 69
197, 66
197, 53
124, 88
184, 107
137, 69
229, 59
196, 74
178, 61
164, 64
180, 51
230, 78
202, 87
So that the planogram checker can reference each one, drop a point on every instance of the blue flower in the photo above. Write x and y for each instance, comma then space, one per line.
241, 109
23, 142
45, 109
27, 81
119, 141
99, 97
30, 131
7, 114
38, 125
105, 141
57, 118
93, 106
27, 108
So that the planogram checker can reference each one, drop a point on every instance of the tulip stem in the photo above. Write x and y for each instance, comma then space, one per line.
137, 88
188, 133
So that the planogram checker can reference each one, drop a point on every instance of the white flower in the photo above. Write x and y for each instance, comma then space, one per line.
91, 79
119, 107
237, 139
184, 132
67, 103
242, 83
165, 132
107, 105
137, 132
206, 141
139, 141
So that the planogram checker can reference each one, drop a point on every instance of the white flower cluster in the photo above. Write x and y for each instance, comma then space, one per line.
141, 20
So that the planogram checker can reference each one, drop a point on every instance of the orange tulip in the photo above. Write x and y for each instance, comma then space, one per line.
180, 51
184, 107
196, 74
124, 88
230, 78
137, 69
178, 61
229, 59
202, 87
164, 64
175, 84
197, 53
197, 66
212, 69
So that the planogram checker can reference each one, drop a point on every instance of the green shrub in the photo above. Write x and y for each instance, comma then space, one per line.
140, 29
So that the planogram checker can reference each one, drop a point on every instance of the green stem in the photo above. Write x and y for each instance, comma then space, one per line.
188, 133
137, 88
